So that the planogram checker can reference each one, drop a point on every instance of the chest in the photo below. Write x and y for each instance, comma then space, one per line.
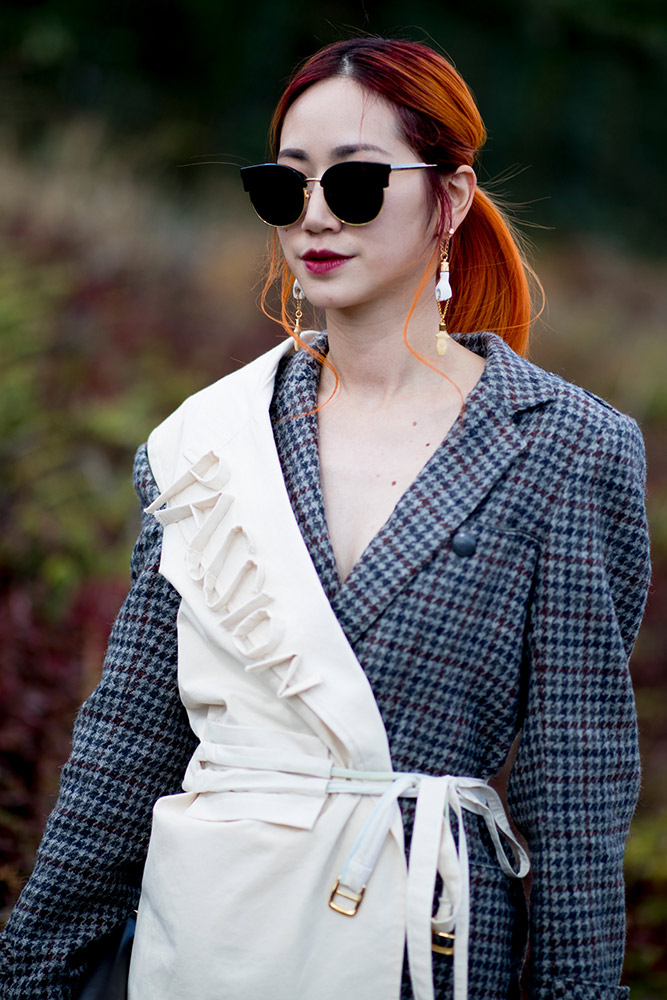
367, 463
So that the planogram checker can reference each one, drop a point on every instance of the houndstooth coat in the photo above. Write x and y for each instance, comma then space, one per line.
503, 596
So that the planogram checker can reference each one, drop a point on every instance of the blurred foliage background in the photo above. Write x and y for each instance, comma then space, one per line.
129, 279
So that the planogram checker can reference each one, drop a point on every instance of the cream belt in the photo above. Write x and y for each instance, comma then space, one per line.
432, 849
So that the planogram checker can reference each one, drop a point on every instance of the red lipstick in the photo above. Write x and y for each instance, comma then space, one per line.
322, 261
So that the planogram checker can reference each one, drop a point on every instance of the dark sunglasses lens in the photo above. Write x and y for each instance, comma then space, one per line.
355, 191
276, 193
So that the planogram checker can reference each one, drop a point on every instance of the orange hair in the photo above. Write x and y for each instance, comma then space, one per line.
441, 122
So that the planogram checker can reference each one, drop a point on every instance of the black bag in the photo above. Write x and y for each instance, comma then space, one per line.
108, 980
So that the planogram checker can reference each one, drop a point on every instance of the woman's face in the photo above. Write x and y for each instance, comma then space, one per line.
341, 266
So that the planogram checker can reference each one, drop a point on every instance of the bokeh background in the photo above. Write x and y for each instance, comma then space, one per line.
130, 274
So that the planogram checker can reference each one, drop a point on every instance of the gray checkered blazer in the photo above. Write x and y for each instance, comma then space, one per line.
503, 596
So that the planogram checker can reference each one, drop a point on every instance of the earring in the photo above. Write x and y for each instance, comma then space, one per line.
443, 293
297, 292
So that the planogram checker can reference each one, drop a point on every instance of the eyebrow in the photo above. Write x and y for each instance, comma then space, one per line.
339, 151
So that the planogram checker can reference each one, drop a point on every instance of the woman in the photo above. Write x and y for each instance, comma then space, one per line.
382, 558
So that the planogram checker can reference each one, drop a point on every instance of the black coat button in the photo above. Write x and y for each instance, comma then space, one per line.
463, 543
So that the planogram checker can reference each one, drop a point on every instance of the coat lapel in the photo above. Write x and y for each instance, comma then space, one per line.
295, 433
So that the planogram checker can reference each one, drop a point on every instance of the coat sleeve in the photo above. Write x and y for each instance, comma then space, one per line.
131, 744
575, 781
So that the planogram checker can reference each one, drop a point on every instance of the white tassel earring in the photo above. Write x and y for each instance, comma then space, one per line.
297, 292
443, 293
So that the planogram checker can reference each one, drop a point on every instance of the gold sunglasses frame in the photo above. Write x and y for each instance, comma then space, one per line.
318, 180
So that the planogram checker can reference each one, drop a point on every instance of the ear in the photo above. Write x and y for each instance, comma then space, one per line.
460, 187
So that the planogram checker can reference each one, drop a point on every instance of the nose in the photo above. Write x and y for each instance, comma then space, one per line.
317, 216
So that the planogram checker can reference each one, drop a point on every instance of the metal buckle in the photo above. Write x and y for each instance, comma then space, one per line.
442, 949
356, 898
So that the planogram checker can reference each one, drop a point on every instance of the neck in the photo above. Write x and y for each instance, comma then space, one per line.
368, 350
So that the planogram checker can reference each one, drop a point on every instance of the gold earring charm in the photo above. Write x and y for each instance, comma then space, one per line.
299, 296
443, 293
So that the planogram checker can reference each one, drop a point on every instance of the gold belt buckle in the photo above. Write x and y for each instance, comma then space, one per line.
442, 949
355, 898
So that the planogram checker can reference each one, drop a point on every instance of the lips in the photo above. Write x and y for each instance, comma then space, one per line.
322, 261
323, 255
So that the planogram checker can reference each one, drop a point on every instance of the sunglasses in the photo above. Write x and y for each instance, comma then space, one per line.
353, 190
